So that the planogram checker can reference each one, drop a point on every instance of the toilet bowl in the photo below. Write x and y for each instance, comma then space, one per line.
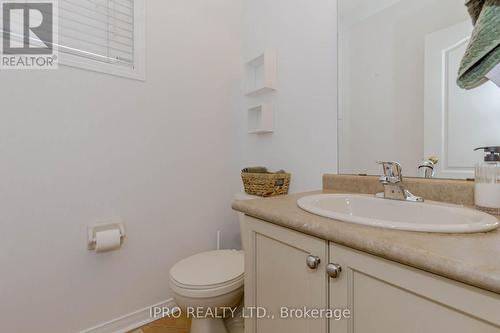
208, 284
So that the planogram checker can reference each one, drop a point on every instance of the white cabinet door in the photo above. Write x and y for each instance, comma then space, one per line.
387, 297
277, 275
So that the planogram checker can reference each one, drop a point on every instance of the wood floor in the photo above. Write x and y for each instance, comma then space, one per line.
166, 325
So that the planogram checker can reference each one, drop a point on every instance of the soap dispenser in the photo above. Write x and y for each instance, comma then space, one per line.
487, 181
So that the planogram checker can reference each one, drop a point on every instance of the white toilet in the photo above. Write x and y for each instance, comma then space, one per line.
211, 280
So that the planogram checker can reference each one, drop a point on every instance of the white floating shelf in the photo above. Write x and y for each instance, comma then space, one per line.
261, 119
260, 132
260, 74
259, 91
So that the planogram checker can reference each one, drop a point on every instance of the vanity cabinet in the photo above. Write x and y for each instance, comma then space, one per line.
386, 297
382, 296
277, 275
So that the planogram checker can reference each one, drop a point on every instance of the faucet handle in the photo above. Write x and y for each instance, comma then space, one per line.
393, 172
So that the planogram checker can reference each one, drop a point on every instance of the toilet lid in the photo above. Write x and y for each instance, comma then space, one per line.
209, 268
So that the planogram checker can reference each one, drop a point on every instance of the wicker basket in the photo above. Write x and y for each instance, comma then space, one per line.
266, 184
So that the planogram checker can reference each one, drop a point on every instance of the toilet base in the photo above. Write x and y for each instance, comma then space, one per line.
208, 325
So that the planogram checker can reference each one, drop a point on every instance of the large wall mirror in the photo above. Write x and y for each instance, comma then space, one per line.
398, 97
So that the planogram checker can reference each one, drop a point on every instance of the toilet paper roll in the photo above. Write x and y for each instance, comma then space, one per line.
107, 240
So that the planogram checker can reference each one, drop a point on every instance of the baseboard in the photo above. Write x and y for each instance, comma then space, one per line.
130, 321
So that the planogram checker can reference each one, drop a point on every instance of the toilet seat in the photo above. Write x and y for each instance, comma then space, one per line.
208, 274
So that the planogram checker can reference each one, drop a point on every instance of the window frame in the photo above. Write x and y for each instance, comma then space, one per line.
137, 72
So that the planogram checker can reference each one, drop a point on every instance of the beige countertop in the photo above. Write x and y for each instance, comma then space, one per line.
469, 258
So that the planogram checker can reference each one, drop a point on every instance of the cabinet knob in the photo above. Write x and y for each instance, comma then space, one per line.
333, 270
313, 261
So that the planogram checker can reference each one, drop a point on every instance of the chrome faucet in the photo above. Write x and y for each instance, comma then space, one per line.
394, 188
426, 168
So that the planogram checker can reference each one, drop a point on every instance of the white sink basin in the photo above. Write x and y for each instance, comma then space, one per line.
400, 215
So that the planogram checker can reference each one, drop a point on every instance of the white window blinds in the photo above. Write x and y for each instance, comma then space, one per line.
101, 30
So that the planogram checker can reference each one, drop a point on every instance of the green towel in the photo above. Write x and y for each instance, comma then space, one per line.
260, 170
255, 170
483, 51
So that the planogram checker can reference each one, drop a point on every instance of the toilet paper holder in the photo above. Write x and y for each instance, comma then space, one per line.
95, 228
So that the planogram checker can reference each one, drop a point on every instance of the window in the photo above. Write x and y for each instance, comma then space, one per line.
103, 35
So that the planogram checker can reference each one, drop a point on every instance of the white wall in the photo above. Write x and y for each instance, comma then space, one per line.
77, 146
303, 33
